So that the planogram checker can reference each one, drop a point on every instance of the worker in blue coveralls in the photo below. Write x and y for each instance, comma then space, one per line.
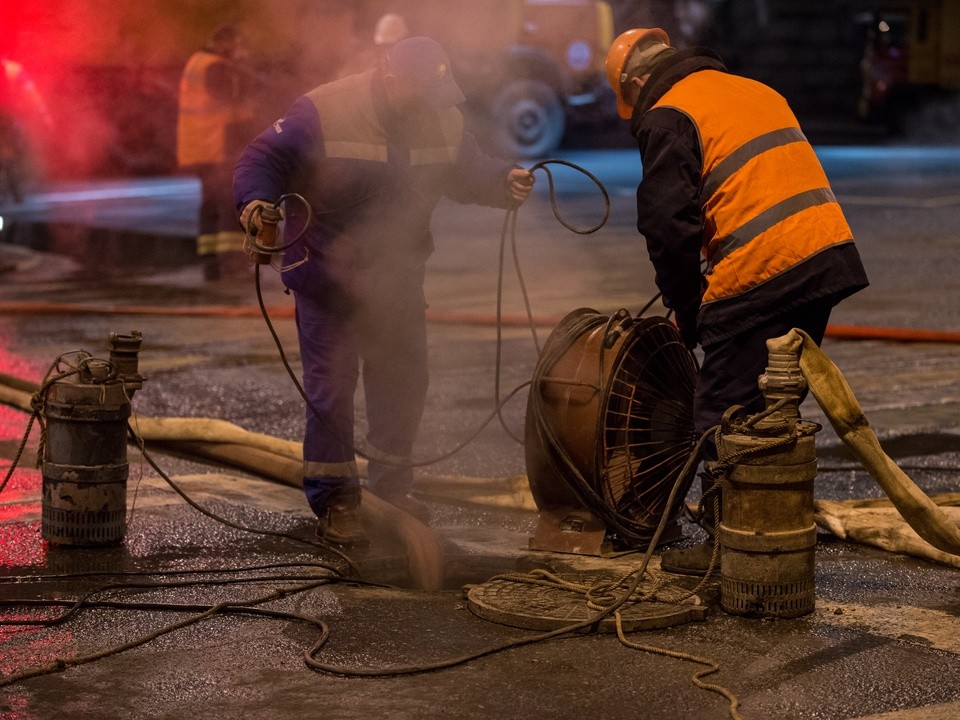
372, 153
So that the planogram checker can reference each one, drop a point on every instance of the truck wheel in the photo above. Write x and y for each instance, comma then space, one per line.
527, 119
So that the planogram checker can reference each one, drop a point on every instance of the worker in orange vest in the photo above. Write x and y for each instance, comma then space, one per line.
214, 111
730, 181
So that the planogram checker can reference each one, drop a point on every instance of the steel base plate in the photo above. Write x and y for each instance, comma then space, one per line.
535, 607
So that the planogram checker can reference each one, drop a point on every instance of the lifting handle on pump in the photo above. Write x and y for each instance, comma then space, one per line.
267, 237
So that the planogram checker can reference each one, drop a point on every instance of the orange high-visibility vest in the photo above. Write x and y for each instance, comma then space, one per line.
203, 119
767, 204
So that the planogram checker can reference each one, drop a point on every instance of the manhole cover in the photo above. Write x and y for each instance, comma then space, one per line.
537, 607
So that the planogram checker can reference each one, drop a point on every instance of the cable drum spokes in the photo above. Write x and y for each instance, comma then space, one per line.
645, 428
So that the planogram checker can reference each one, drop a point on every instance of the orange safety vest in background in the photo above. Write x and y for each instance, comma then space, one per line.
767, 204
203, 118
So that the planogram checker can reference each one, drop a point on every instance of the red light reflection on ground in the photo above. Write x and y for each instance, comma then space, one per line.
34, 644
20, 542
14, 704
13, 513
13, 424
21, 545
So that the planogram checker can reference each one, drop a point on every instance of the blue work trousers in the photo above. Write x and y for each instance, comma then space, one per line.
379, 330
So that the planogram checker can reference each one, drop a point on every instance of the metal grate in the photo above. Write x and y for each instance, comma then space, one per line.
647, 421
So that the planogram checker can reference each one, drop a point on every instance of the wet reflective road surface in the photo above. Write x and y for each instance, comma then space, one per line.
884, 636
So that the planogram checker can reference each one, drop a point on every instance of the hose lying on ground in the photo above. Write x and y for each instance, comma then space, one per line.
840, 405
882, 526
264, 456
434, 315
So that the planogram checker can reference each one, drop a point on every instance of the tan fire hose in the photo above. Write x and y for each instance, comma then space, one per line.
838, 402
269, 457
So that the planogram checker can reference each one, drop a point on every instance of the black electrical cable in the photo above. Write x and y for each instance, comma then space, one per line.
37, 401
246, 607
85, 359
543, 165
509, 227
590, 623
229, 523
361, 453
55, 577
77, 605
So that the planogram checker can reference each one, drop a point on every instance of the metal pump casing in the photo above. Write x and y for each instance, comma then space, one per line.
767, 531
85, 448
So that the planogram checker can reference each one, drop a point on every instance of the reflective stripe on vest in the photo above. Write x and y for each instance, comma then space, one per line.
766, 201
352, 131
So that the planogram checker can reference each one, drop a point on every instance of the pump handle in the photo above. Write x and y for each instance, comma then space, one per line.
267, 237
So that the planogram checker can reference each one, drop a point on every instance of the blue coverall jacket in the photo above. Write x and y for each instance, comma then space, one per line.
373, 179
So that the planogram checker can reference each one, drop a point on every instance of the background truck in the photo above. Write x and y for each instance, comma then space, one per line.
529, 68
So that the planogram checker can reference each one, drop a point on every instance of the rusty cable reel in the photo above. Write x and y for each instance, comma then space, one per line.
610, 421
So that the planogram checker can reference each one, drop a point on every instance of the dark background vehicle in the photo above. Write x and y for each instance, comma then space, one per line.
911, 59
529, 68
532, 69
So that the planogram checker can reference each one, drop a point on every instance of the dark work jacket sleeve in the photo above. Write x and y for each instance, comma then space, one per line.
278, 157
476, 177
669, 215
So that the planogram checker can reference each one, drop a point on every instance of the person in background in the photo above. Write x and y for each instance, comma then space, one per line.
25, 121
373, 153
728, 179
390, 29
214, 111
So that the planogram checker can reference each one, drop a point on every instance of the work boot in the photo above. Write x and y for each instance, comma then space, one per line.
340, 521
692, 560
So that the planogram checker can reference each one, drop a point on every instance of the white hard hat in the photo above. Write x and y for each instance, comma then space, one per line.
390, 29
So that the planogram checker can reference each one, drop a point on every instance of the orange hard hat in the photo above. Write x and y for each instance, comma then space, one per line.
618, 54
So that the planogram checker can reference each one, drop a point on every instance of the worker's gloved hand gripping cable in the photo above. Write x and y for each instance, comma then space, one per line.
837, 400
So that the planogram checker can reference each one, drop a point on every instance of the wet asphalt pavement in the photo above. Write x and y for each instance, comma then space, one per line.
884, 639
